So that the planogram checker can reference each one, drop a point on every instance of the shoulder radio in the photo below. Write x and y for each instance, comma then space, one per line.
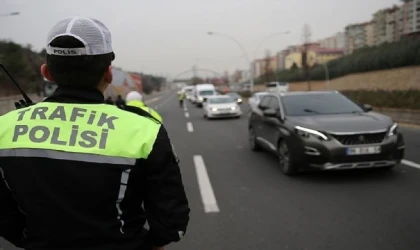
22, 103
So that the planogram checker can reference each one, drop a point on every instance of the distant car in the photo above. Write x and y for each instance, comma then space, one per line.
255, 99
221, 106
277, 87
235, 96
324, 131
188, 91
202, 92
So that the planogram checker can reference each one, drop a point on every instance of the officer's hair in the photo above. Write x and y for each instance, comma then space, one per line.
78, 71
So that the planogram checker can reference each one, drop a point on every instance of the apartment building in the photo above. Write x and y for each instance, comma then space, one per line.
281, 58
408, 17
359, 36
379, 27
333, 42
316, 55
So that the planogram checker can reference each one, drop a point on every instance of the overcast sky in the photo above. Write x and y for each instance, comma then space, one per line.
166, 36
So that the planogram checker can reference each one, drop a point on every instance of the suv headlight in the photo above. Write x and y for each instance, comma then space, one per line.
213, 109
306, 132
200, 98
233, 108
393, 130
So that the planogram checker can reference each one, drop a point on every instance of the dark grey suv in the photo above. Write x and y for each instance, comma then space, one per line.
325, 131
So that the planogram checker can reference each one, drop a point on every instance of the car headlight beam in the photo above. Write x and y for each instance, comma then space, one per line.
393, 130
305, 132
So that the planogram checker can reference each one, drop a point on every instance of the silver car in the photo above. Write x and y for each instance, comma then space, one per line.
221, 106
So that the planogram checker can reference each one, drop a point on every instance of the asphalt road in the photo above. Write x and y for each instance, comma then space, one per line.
241, 200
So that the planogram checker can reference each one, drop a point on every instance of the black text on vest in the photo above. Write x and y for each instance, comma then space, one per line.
54, 135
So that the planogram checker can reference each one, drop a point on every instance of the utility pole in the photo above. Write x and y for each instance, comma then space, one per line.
306, 37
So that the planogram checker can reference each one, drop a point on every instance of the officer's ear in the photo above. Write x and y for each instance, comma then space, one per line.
46, 73
108, 75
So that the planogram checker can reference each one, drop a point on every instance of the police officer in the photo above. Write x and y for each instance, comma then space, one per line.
181, 97
79, 174
135, 99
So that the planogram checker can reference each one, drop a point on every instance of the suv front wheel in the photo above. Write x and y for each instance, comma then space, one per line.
285, 159
252, 138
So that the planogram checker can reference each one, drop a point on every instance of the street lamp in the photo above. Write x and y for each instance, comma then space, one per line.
267, 38
327, 74
10, 14
251, 71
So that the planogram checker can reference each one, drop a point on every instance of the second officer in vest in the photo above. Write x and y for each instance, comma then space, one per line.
135, 99
80, 174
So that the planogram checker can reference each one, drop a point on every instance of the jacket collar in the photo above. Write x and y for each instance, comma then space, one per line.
76, 95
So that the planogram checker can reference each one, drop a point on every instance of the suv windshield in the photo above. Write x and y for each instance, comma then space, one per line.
318, 104
220, 100
206, 92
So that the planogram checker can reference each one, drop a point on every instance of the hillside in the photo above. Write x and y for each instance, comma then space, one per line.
24, 65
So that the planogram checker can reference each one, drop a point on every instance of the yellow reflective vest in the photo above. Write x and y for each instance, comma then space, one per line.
140, 104
97, 129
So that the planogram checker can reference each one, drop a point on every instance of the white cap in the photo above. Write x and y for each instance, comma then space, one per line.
134, 96
92, 33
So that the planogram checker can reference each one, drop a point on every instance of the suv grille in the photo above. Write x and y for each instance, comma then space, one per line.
360, 139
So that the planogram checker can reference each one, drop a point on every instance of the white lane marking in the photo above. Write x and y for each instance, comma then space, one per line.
206, 190
410, 164
166, 100
190, 127
187, 115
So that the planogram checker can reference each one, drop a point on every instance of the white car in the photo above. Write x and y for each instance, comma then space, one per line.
277, 87
188, 91
255, 99
221, 106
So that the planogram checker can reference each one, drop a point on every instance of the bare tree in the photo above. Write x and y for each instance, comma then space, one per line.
306, 39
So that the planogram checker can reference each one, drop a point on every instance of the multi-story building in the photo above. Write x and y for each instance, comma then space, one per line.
379, 27
358, 36
340, 38
334, 42
392, 34
281, 58
385, 25
329, 42
268, 64
315, 55
256, 66
409, 18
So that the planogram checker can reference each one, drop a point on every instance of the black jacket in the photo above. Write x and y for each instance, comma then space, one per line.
49, 203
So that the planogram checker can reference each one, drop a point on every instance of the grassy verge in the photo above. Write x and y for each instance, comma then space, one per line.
399, 99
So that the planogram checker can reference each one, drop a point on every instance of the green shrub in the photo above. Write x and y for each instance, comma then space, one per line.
399, 99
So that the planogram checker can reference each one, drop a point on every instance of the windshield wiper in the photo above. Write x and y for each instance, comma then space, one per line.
311, 111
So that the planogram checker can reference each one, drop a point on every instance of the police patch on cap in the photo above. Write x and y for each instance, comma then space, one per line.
173, 152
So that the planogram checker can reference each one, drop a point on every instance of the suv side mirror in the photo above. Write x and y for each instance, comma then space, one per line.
270, 113
367, 107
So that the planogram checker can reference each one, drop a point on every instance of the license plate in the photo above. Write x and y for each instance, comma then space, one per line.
364, 150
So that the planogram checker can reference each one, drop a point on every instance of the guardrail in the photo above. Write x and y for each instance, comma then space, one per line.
401, 115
